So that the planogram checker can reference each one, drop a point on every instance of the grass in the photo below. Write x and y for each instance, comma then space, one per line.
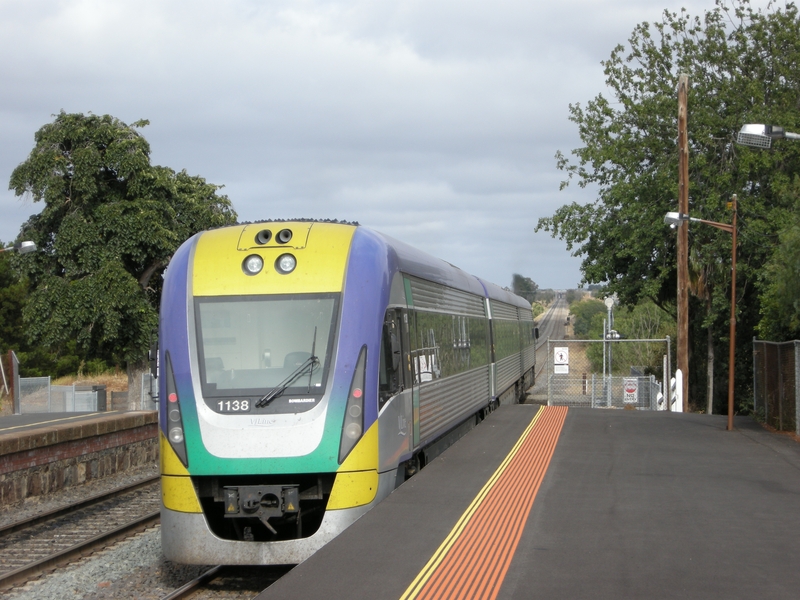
115, 381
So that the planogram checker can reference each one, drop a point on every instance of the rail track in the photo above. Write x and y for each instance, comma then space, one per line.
229, 582
551, 326
33, 545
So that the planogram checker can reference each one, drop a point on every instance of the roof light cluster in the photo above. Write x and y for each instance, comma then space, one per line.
253, 264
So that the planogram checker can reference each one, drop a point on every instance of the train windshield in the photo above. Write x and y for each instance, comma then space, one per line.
248, 346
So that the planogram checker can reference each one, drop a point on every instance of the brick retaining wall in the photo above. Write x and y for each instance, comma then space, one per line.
51, 458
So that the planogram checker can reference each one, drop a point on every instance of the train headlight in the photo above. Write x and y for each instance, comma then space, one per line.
285, 264
353, 431
253, 264
176, 435
353, 426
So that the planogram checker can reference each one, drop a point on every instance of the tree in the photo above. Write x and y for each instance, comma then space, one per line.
110, 224
584, 313
743, 66
13, 292
780, 305
524, 286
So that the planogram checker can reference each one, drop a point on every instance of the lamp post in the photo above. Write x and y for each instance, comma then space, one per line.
673, 219
21, 247
758, 135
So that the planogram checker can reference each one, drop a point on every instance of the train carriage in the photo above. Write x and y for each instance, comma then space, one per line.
307, 369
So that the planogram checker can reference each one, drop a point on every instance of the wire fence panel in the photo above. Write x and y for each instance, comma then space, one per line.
775, 383
38, 396
606, 374
34, 395
149, 396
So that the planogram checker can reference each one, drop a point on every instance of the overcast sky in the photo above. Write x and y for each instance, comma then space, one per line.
433, 121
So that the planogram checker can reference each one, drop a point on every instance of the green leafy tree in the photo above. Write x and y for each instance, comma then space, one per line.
524, 286
545, 296
780, 307
584, 313
110, 224
13, 292
743, 67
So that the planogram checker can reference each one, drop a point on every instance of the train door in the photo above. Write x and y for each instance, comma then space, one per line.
399, 410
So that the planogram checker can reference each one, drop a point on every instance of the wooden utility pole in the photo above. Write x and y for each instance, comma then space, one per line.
683, 236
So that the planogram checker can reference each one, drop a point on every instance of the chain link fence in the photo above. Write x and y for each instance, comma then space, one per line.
38, 395
607, 374
776, 383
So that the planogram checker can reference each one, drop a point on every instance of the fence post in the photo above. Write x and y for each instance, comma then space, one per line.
14, 363
49, 395
755, 378
796, 388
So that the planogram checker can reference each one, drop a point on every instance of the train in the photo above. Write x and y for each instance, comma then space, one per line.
306, 369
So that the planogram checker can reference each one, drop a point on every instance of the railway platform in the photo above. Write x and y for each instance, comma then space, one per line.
580, 503
43, 453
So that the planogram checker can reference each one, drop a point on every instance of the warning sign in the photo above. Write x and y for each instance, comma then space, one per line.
630, 385
561, 361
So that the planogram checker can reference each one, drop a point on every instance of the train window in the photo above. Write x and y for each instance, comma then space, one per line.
390, 360
249, 345
447, 344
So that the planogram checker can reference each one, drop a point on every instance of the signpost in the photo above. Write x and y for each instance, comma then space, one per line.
630, 386
561, 361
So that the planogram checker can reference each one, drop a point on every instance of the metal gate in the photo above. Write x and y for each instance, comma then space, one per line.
617, 373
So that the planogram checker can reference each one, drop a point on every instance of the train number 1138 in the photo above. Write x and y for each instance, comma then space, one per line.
233, 405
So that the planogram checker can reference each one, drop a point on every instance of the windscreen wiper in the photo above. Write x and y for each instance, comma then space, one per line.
312, 362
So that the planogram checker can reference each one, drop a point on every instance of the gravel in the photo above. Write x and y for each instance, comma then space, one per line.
67, 496
131, 568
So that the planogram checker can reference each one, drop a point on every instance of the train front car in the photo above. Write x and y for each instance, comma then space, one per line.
269, 339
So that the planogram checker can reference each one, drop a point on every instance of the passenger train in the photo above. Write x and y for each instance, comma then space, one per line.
308, 368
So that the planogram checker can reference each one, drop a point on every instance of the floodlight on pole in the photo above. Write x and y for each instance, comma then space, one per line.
673, 219
758, 135
21, 247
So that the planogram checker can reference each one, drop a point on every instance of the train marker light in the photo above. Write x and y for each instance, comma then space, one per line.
353, 426
253, 264
285, 264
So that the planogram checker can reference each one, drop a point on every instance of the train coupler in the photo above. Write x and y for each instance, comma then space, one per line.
261, 501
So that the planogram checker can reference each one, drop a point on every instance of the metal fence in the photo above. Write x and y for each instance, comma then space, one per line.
607, 374
776, 383
38, 395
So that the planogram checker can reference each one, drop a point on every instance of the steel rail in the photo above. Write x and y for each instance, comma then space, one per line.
195, 583
65, 510
24, 573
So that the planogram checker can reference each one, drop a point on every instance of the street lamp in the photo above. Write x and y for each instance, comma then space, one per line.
21, 247
761, 136
674, 219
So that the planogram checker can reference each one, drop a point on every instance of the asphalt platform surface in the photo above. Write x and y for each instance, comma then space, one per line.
34, 421
633, 505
